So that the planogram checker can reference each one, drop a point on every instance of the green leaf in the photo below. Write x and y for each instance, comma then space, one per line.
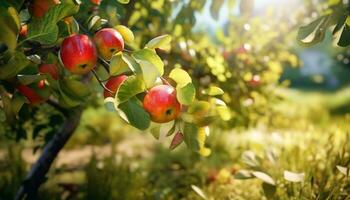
10, 25
161, 42
133, 65
67, 101
17, 62
123, 1
35, 59
243, 174
199, 192
224, 112
264, 177
194, 138
155, 131
118, 65
344, 39
149, 72
312, 33
214, 91
203, 132
294, 177
74, 89
45, 30
191, 136
126, 33
132, 86
199, 108
96, 22
180, 76
29, 79
343, 170
136, 115
185, 95
151, 57
109, 103
250, 159
17, 102
222, 109
167, 129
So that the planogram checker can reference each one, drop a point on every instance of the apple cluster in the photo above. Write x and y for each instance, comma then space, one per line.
78, 54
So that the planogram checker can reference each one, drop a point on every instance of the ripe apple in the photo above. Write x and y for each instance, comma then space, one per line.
108, 41
50, 69
78, 54
41, 84
32, 96
113, 85
161, 103
38, 8
96, 2
23, 32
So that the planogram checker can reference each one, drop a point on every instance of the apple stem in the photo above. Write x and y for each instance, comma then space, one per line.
100, 81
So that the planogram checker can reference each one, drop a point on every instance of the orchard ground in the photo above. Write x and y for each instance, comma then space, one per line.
122, 163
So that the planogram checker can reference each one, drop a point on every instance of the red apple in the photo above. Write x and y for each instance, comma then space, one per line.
30, 94
23, 31
96, 2
108, 41
41, 84
161, 103
38, 8
113, 85
78, 54
50, 69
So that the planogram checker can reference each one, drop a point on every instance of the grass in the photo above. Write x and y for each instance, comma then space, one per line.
307, 137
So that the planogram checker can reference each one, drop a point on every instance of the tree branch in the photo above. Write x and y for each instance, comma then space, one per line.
37, 174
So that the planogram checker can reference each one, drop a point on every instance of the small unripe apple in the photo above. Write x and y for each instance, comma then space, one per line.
30, 94
50, 69
161, 103
78, 54
108, 41
113, 85
23, 32
38, 8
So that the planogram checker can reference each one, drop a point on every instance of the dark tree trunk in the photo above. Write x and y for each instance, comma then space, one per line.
37, 174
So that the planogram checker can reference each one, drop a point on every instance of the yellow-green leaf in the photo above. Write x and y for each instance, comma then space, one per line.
180, 76
161, 42
186, 94
126, 33
132, 86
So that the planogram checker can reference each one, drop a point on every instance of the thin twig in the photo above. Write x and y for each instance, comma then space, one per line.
101, 82
127, 50
165, 81
103, 63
